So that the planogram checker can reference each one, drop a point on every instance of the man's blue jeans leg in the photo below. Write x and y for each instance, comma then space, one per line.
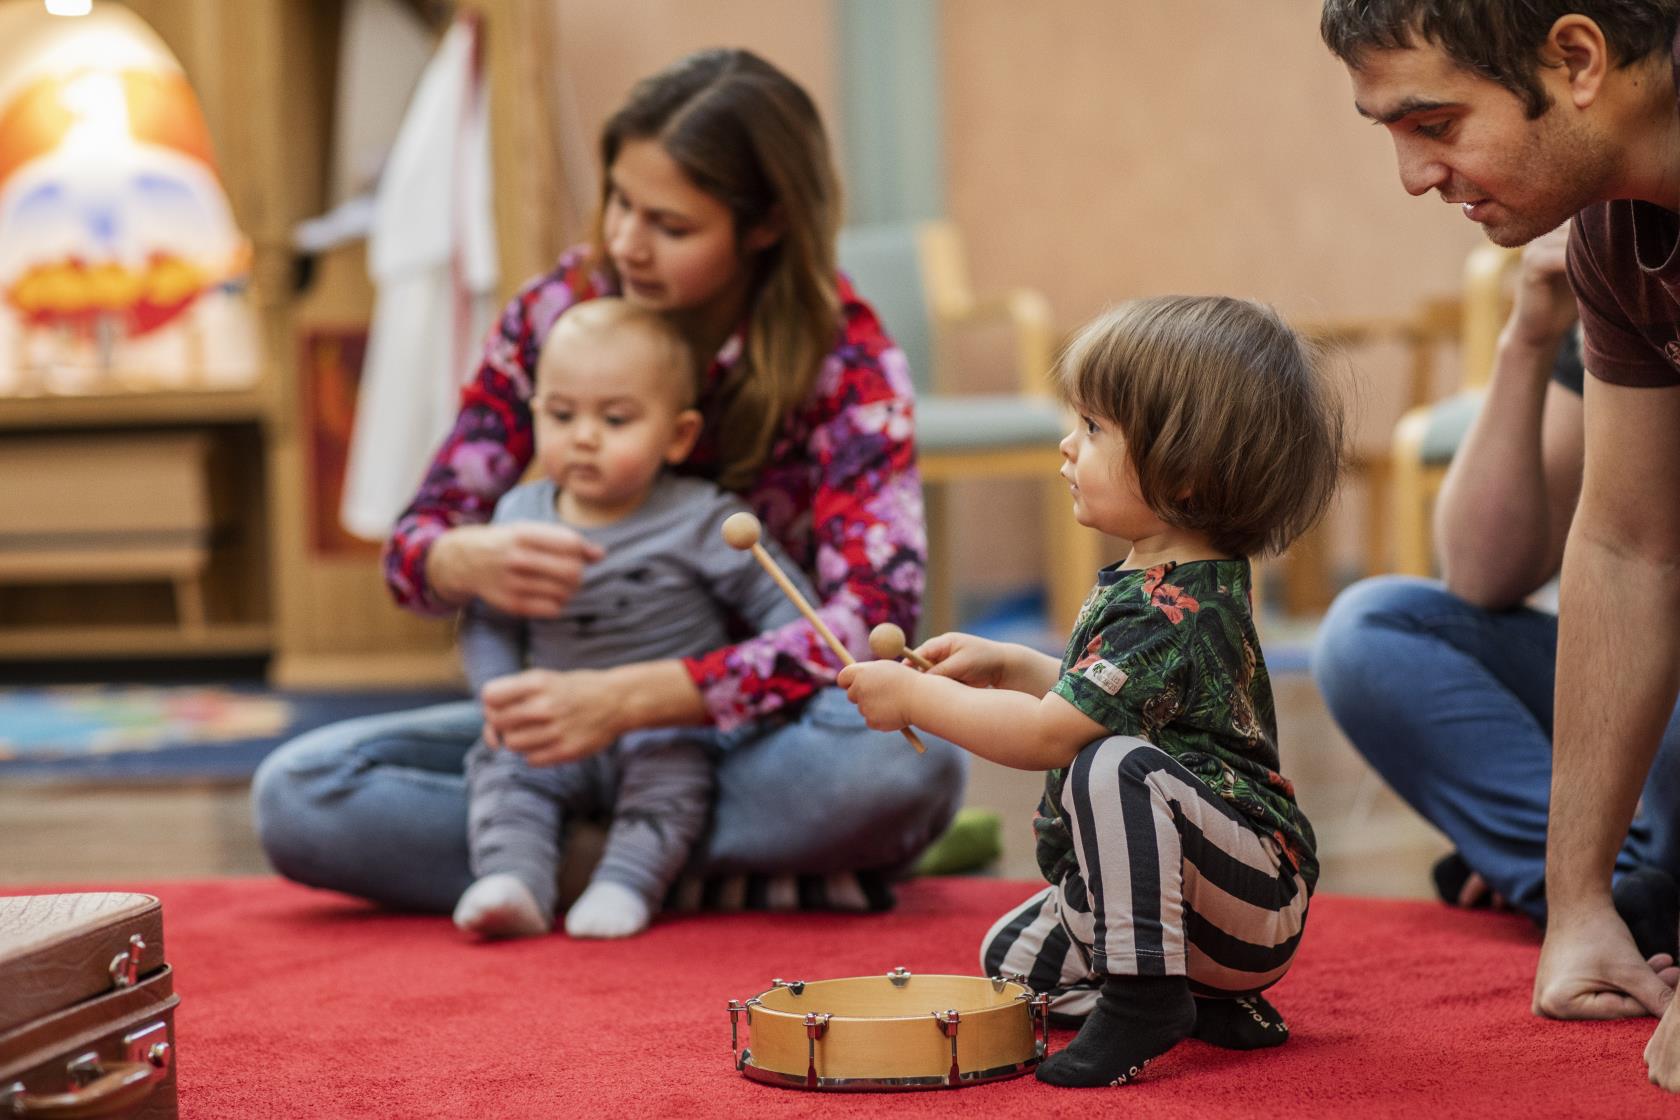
1452, 705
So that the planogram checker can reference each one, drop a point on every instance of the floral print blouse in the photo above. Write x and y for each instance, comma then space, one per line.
840, 490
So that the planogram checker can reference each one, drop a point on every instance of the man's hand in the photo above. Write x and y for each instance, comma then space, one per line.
549, 716
530, 569
1589, 969
881, 690
1545, 306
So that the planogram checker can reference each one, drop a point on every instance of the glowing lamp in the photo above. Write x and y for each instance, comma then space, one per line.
120, 264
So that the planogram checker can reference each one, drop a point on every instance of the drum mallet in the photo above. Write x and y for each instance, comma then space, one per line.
742, 532
887, 642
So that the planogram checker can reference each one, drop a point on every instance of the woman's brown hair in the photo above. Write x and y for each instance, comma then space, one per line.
1229, 422
748, 135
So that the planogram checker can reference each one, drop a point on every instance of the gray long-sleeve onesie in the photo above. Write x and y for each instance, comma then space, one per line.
666, 588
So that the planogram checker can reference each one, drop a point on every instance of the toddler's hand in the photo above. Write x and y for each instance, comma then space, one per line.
881, 691
974, 661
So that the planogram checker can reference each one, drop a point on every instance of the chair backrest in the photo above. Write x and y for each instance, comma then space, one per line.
884, 264
1487, 301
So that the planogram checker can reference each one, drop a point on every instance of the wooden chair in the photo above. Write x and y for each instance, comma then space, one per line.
1421, 337
916, 277
1428, 435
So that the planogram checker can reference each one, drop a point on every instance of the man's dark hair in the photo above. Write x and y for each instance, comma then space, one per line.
1498, 39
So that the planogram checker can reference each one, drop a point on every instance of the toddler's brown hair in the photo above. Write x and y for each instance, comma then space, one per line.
1230, 424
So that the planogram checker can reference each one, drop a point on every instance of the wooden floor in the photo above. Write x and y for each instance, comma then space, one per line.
1370, 843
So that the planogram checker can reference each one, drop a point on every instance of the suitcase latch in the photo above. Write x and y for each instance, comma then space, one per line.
125, 967
97, 1088
149, 1044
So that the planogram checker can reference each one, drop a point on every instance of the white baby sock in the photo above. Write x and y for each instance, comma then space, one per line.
608, 909
501, 906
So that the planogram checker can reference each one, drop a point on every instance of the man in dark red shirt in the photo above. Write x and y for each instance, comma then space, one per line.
1526, 113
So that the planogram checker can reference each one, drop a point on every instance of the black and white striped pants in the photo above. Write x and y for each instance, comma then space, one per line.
1171, 881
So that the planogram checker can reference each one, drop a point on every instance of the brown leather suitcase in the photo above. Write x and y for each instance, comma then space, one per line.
87, 1008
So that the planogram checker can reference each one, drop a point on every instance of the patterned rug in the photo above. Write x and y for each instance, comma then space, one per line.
182, 731
66, 722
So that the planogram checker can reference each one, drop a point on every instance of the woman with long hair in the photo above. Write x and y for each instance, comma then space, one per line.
719, 209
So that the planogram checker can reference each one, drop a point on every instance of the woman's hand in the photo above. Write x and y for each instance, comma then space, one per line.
528, 568
550, 716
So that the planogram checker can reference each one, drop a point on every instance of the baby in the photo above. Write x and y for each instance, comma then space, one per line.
613, 409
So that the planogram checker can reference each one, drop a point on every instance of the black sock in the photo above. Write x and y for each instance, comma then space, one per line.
1648, 900
1450, 874
1247, 1023
1137, 1019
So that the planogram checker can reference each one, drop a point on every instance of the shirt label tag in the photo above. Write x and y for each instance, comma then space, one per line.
1107, 677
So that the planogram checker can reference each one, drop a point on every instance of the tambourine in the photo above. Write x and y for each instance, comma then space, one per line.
896, 1031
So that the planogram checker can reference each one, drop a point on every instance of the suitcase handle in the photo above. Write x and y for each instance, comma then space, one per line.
122, 1086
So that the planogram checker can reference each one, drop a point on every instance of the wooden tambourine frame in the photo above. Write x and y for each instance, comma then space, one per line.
896, 1031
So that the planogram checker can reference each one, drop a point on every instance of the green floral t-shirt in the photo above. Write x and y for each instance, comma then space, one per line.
1169, 654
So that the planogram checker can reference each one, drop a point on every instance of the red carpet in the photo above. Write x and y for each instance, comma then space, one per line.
296, 1003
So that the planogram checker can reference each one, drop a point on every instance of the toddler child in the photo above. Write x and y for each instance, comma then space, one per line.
1179, 863
613, 407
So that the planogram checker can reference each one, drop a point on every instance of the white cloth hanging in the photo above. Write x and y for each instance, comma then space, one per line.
432, 259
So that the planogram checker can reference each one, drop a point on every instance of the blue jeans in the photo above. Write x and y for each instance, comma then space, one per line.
377, 806
1452, 705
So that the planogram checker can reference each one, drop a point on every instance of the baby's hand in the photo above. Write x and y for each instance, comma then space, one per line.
881, 691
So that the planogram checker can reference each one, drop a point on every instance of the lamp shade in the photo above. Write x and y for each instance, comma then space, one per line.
121, 267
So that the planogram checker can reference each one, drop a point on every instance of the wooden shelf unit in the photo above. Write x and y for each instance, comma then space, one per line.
108, 587
265, 72
130, 410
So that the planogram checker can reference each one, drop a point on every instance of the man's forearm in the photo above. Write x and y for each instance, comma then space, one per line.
1492, 517
1617, 657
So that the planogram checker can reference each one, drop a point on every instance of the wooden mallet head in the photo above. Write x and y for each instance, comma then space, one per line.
741, 531
887, 642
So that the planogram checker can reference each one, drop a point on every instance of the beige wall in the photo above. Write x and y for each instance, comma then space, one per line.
1100, 150
605, 46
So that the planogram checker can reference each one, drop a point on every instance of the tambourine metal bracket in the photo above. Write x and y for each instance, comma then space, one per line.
899, 976
736, 1010
816, 1025
1002, 979
948, 1022
1039, 1007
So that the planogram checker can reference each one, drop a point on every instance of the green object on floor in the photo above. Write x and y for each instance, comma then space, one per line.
972, 843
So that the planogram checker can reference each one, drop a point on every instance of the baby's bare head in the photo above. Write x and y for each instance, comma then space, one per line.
612, 329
